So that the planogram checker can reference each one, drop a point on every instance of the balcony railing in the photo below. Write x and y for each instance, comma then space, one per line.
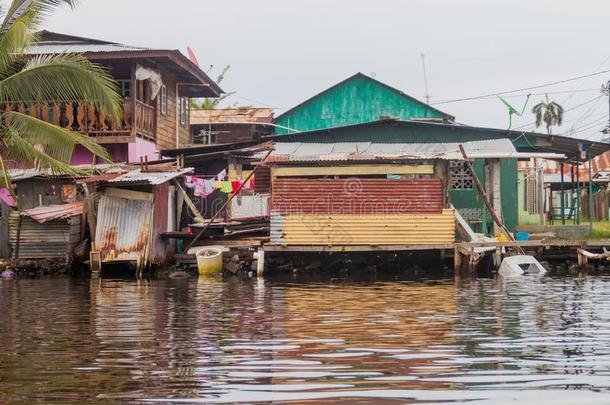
83, 117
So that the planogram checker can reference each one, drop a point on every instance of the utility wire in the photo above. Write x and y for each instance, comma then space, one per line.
523, 89
594, 99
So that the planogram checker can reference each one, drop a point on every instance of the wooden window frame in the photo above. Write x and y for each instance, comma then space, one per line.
163, 100
183, 111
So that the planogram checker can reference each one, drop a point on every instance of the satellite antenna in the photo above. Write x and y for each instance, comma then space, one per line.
513, 111
423, 63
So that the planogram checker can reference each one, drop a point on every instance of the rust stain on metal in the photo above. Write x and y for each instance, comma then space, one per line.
357, 196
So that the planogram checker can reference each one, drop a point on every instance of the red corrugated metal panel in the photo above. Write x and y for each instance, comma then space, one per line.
357, 196
262, 179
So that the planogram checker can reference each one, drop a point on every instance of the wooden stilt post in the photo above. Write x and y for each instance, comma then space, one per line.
497, 193
260, 264
563, 197
457, 260
485, 196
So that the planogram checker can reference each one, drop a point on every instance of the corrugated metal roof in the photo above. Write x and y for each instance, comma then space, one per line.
46, 48
25, 174
54, 212
154, 178
232, 116
348, 151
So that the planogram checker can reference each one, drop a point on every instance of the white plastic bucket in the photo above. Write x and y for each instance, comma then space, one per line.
209, 261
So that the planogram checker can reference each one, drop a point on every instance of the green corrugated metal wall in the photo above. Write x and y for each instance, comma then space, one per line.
357, 100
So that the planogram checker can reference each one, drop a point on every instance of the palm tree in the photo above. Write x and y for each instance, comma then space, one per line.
53, 78
213, 103
549, 112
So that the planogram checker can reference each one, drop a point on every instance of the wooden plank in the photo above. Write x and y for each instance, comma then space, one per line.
355, 248
103, 139
128, 194
351, 170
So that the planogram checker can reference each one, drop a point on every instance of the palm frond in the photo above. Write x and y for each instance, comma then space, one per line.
38, 8
19, 149
56, 142
63, 77
13, 43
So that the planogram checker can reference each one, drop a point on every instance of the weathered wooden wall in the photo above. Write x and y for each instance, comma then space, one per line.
166, 124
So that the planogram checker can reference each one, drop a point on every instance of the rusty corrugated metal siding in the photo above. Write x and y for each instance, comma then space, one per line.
54, 239
357, 196
340, 229
124, 228
262, 179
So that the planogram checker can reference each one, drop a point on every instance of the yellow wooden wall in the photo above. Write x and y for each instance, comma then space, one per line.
400, 229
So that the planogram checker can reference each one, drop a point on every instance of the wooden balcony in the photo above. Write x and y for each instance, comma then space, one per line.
84, 118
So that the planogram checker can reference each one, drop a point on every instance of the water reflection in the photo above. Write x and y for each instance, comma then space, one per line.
188, 340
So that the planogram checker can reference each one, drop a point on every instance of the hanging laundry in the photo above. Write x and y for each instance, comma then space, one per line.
218, 184
236, 186
222, 175
209, 187
226, 187
6, 196
188, 181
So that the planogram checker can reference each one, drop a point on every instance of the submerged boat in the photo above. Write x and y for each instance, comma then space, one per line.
520, 266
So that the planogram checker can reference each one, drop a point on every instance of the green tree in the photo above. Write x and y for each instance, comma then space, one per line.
208, 103
47, 78
548, 112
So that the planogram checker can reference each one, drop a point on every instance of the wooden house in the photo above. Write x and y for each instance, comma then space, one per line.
368, 195
464, 195
155, 84
356, 100
229, 125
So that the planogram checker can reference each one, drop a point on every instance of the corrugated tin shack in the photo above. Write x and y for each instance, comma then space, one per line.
133, 212
49, 222
46, 232
369, 194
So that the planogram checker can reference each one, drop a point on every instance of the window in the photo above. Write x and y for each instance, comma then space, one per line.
183, 110
461, 179
125, 88
163, 100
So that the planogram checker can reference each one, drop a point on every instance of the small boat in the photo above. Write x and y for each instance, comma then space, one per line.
521, 265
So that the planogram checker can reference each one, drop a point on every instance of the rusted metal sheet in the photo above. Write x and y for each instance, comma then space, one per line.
54, 212
357, 196
262, 179
53, 239
124, 229
375, 230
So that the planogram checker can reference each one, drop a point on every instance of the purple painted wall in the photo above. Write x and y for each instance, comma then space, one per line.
120, 153
82, 156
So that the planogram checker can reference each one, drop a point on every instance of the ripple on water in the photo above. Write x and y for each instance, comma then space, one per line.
483, 341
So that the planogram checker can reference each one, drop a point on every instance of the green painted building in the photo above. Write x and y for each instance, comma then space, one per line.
356, 100
362, 109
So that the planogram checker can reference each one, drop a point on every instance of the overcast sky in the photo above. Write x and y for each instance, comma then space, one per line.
284, 51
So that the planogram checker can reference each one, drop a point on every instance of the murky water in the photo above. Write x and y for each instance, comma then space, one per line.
537, 341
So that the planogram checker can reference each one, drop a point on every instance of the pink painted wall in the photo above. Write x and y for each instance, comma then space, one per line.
142, 148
